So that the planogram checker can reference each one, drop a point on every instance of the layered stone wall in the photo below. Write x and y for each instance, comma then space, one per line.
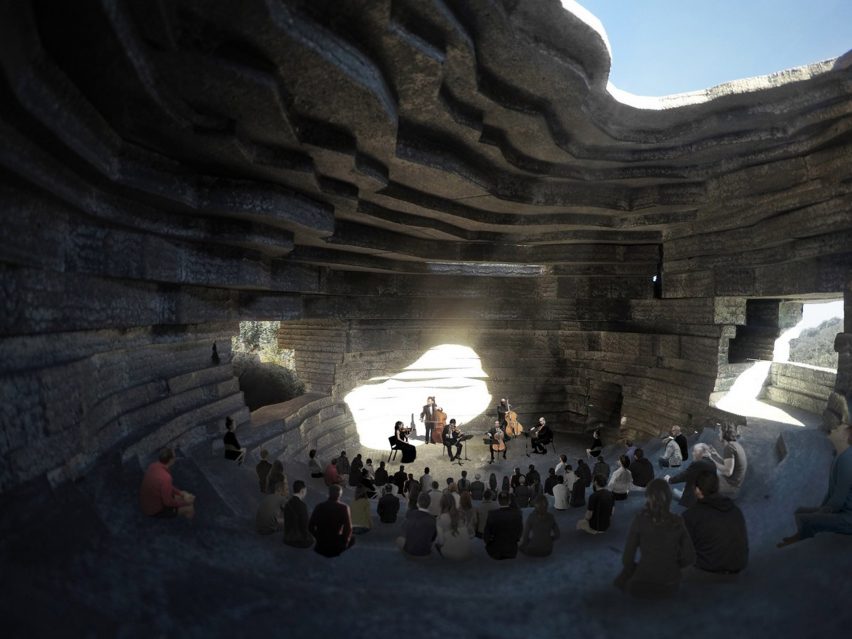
799, 385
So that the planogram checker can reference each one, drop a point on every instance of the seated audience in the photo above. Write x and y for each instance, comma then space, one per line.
835, 512
263, 467
388, 506
157, 495
540, 530
362, 521
418, 530
663, 544
270, 511
276, 476
435, 496
371, 472
381, 475
597, 446
533, 480
398, 480
486, 505
671, 454
578, 491
343, 466
732, 464
641, 469
296, 531
355, 468
463, 484
601, 468
332, 477
331, 524
561, 494
367, 483
584, 473
477, 488
680, 439
551, 481
453, 534
492, 482
515, 480
717, 528
313, 464
522, 493
426, 480
506, 486
412, 491
233, 450
503, 530
599, 513
560, 467
621, 480
701, 463
630, 449
467, 511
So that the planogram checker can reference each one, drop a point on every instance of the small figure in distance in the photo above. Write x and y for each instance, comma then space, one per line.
263, 467
157, 495
276, 476
314, 465
641, 469
503, 529
601, 506
331, 525
332, 477
296, 518
717, 529
835, 512
540, 530
233, 450
418, 530
663, 543
597, 444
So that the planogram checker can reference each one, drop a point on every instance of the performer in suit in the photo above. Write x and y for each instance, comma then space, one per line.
400, 443
542, 437
502, 409
451, 439
497, 444
427, 416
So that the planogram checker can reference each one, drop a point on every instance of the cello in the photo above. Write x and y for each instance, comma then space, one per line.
440, 425
513, 427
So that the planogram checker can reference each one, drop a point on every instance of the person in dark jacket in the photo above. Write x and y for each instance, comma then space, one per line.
701, 463
477, 488
263, 467
233, 450
584, 473
551, 481
331, 525
381, 475
355, 471
419, 530
641, 469
398, 480
503, 530
680, 439
717, 528
388, 506
296, 532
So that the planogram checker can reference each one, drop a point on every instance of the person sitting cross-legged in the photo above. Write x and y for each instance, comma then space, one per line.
717, 528
269, 515
388, 506
601, 506
641, 469
453, 539
418, 530
263, 467
331, 524
487, 504
157, 495
540, 530
503, 529
296, 518
233, 450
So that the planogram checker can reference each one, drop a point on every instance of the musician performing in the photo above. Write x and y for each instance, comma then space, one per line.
541, 437
496, 441
427, 416
439, 427
452, 438
399, 441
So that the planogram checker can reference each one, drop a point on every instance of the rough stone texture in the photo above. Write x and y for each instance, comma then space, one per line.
799, 385
388, 175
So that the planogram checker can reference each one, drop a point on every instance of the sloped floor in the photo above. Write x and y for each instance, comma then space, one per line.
84, 562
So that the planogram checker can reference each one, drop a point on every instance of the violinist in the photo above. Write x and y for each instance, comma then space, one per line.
498, 444
400, 443
542, 436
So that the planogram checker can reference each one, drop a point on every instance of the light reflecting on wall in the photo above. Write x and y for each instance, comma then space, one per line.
742, 398
451, 372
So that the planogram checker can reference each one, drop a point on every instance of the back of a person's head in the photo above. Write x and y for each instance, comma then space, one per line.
166, 455
701, 450
312, 453
658, 500
361, 492
334, 461
264, 453
477, 476
560, 479
563, 457
365, 472
569, 468
551, 471
298, 485
488, 495
638, 453
532, 467
449, 481
423, 500
426, 470
624, 460
435, 485
278, 466
334, 492
229, 423
466, 500
707, 481
448, 503
522, 480
381, 464
540, 504
464, 473
369, 462
388, 488
503, 498
600, 480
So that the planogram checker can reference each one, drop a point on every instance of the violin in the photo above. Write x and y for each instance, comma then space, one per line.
513, 427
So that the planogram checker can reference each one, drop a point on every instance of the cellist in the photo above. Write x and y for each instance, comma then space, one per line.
498, 443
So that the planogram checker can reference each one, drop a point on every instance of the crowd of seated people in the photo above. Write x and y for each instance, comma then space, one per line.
708, 540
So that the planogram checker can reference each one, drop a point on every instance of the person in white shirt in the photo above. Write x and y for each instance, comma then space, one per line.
426, 480
560, 467
621, 480
435, 496
561, 494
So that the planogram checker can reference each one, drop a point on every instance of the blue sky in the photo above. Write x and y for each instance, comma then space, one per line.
671, 46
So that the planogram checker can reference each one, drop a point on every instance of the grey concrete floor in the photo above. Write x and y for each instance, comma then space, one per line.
83, 561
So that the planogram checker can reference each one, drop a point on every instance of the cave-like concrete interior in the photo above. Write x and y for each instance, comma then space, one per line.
383, 177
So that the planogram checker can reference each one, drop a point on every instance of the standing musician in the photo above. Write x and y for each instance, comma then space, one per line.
542, 435
502, 409
427, 416
451, 437
400, 436
497, 442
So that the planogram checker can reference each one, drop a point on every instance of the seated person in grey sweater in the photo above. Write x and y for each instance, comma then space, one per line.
270, 511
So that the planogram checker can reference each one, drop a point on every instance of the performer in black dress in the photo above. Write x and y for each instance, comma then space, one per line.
409, 452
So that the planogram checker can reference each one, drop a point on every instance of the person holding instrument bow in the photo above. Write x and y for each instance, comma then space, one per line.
502, 409
497, 441
400, 443
427, 416
451, 438
541, 437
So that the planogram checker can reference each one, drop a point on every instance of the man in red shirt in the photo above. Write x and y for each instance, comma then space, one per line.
158, 497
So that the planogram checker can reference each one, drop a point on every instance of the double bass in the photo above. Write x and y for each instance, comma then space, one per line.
513, 427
